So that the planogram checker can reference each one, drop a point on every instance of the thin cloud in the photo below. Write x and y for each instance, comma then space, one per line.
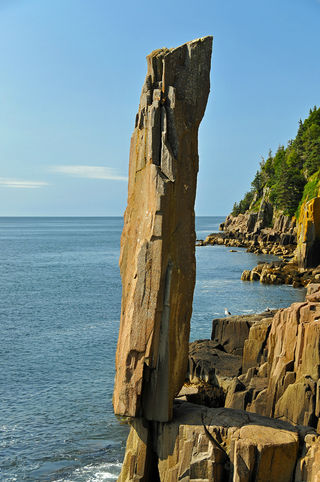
18, 184
90, 172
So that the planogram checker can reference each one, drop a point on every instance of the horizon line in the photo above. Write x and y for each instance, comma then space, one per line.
94, 216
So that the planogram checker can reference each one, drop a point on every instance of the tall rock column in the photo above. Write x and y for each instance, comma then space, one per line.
157, 259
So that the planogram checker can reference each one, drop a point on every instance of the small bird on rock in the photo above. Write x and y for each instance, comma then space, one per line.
227, 312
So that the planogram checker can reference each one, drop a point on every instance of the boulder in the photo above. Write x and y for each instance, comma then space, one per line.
237, 395
313, 288
284, 272
208, 363
157, 259
265, 453
246, 275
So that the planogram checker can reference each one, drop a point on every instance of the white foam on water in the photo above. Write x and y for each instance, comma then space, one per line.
95, 473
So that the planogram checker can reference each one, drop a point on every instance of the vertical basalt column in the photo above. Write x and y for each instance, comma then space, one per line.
157, 259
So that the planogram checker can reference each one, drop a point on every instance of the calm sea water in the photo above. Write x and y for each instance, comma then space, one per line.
60, 296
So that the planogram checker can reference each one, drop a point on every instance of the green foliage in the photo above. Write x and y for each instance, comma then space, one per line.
257, 183
307, 143
256, 206
268, 170
243, 205
311, 190
288, 173
288, 189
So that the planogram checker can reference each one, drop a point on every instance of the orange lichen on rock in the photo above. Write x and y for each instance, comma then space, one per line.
308, 234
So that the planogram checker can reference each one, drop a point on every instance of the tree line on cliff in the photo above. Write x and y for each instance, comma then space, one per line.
291, 175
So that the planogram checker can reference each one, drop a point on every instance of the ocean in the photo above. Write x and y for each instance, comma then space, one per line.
60, 297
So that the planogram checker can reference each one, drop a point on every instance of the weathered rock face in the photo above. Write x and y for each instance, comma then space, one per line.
278, 374
308, 237
251, 222
207, 362
242, 446
254, 351
232, 331
231, 442
231, 370
308, 466
252, 230
157, 261
265, 215
294, 363
280, 363
283, 224
219, 444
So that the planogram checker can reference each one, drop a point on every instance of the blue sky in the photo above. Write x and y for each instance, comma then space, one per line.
71, 75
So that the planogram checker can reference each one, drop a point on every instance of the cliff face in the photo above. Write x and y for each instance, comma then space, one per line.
308, 235
294, 363
157, 260
256, 226
285, 181
251, 229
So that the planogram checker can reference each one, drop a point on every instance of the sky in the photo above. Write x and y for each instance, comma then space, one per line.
71, 74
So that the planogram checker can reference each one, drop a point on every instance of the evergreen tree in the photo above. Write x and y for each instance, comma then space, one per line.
257, 184
286, 172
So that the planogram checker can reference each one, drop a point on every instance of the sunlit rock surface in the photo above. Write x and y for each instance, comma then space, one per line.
308, 237
157, 259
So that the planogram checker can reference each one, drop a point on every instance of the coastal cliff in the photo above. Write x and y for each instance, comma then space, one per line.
280, 214
308, 234
244, 405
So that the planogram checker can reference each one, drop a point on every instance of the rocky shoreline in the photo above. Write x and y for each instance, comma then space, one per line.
281, 240
254, 244
280, 272
249, 406
244, 405
265, 364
